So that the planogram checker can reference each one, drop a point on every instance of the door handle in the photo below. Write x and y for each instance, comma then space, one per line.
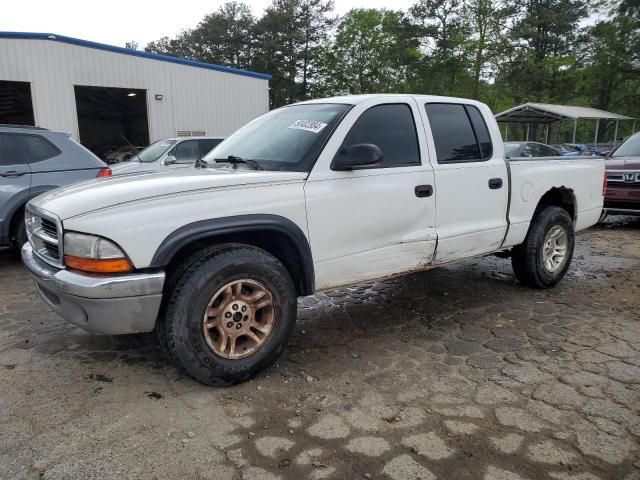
423, 191
495, 183
12, 173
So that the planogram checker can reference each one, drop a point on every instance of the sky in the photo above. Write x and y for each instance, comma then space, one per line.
116, 22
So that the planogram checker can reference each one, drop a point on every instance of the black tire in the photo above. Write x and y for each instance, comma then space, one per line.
20, 233
197, 279
527, 258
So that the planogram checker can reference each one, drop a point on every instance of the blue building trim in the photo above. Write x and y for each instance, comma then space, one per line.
134, 53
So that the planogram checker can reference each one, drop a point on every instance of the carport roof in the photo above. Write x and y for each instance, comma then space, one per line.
128, 51
549, 113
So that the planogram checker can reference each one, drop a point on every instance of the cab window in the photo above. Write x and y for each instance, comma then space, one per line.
391, 127
459, 132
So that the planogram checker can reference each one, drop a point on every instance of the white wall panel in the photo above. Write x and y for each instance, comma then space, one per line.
193, 98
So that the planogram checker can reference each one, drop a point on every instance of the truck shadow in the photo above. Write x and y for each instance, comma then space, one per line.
619, 222
416, 305
421, 310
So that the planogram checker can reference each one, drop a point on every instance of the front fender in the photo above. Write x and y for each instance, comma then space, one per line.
242, 224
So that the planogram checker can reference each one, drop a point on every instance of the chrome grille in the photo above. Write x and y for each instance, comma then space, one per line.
629, 177
52, 250
49, 228
45, 235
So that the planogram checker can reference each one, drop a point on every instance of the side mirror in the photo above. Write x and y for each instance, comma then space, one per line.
357, 157
170, 159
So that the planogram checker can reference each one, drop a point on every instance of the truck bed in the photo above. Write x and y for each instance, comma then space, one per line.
531, 177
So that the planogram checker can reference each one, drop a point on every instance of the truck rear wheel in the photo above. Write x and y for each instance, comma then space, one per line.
544, 257
228, 315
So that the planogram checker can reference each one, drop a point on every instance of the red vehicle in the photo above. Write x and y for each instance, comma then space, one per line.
623, 179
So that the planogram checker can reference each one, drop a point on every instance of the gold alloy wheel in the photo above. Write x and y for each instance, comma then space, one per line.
554, 253
238, 319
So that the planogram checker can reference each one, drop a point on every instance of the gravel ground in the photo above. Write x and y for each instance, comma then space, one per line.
456, 373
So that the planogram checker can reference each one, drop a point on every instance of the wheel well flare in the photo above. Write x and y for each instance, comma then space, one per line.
277, 235
560, 197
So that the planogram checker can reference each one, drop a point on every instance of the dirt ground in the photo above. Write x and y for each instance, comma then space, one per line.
456, 373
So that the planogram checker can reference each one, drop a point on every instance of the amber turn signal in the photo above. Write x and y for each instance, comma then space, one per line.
117, 265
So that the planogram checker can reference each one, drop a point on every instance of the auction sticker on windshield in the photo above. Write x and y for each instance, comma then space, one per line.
308, 125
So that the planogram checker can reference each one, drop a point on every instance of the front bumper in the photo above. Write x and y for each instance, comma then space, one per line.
109, 305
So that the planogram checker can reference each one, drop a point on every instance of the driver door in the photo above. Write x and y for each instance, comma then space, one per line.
379, 221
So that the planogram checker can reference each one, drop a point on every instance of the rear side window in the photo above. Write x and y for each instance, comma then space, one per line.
392, 129
481, 131
37, 148
9, 151
531, 150
546, 151
459, 132
207, 145
187, 151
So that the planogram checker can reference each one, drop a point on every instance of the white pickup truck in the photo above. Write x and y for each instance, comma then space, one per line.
305, 198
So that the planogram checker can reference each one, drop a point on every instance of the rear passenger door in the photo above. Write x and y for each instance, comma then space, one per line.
15, 181
471, 184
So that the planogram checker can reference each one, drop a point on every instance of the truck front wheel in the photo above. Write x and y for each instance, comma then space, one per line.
228, 314
544, 257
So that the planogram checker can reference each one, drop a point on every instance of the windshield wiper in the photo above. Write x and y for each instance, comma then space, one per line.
237, 160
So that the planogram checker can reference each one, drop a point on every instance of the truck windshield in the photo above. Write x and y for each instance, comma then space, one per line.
154, 151
629, 148
288, 138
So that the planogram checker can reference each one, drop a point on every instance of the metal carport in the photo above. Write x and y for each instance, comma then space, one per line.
547, 114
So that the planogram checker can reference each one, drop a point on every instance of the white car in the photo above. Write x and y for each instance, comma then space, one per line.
305, 198
121, 154
171, 153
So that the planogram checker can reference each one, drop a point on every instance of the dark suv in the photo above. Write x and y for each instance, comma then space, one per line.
32, 161
623, 178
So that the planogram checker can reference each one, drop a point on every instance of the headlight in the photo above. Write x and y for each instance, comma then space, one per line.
93, 254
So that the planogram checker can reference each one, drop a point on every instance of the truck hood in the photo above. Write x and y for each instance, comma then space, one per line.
623, 163
85, 197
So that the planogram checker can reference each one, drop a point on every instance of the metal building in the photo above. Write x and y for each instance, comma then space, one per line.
532, 116
106, 96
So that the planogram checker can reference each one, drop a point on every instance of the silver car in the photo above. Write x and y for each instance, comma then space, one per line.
35, 160
169, 153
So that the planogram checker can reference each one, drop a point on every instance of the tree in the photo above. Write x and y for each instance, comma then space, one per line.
132, 44
542, 41
372, 52
487, 20
503, 52
314, 23
443, 33
226, 36
223, 37
288, 38
181, 46
610, 78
